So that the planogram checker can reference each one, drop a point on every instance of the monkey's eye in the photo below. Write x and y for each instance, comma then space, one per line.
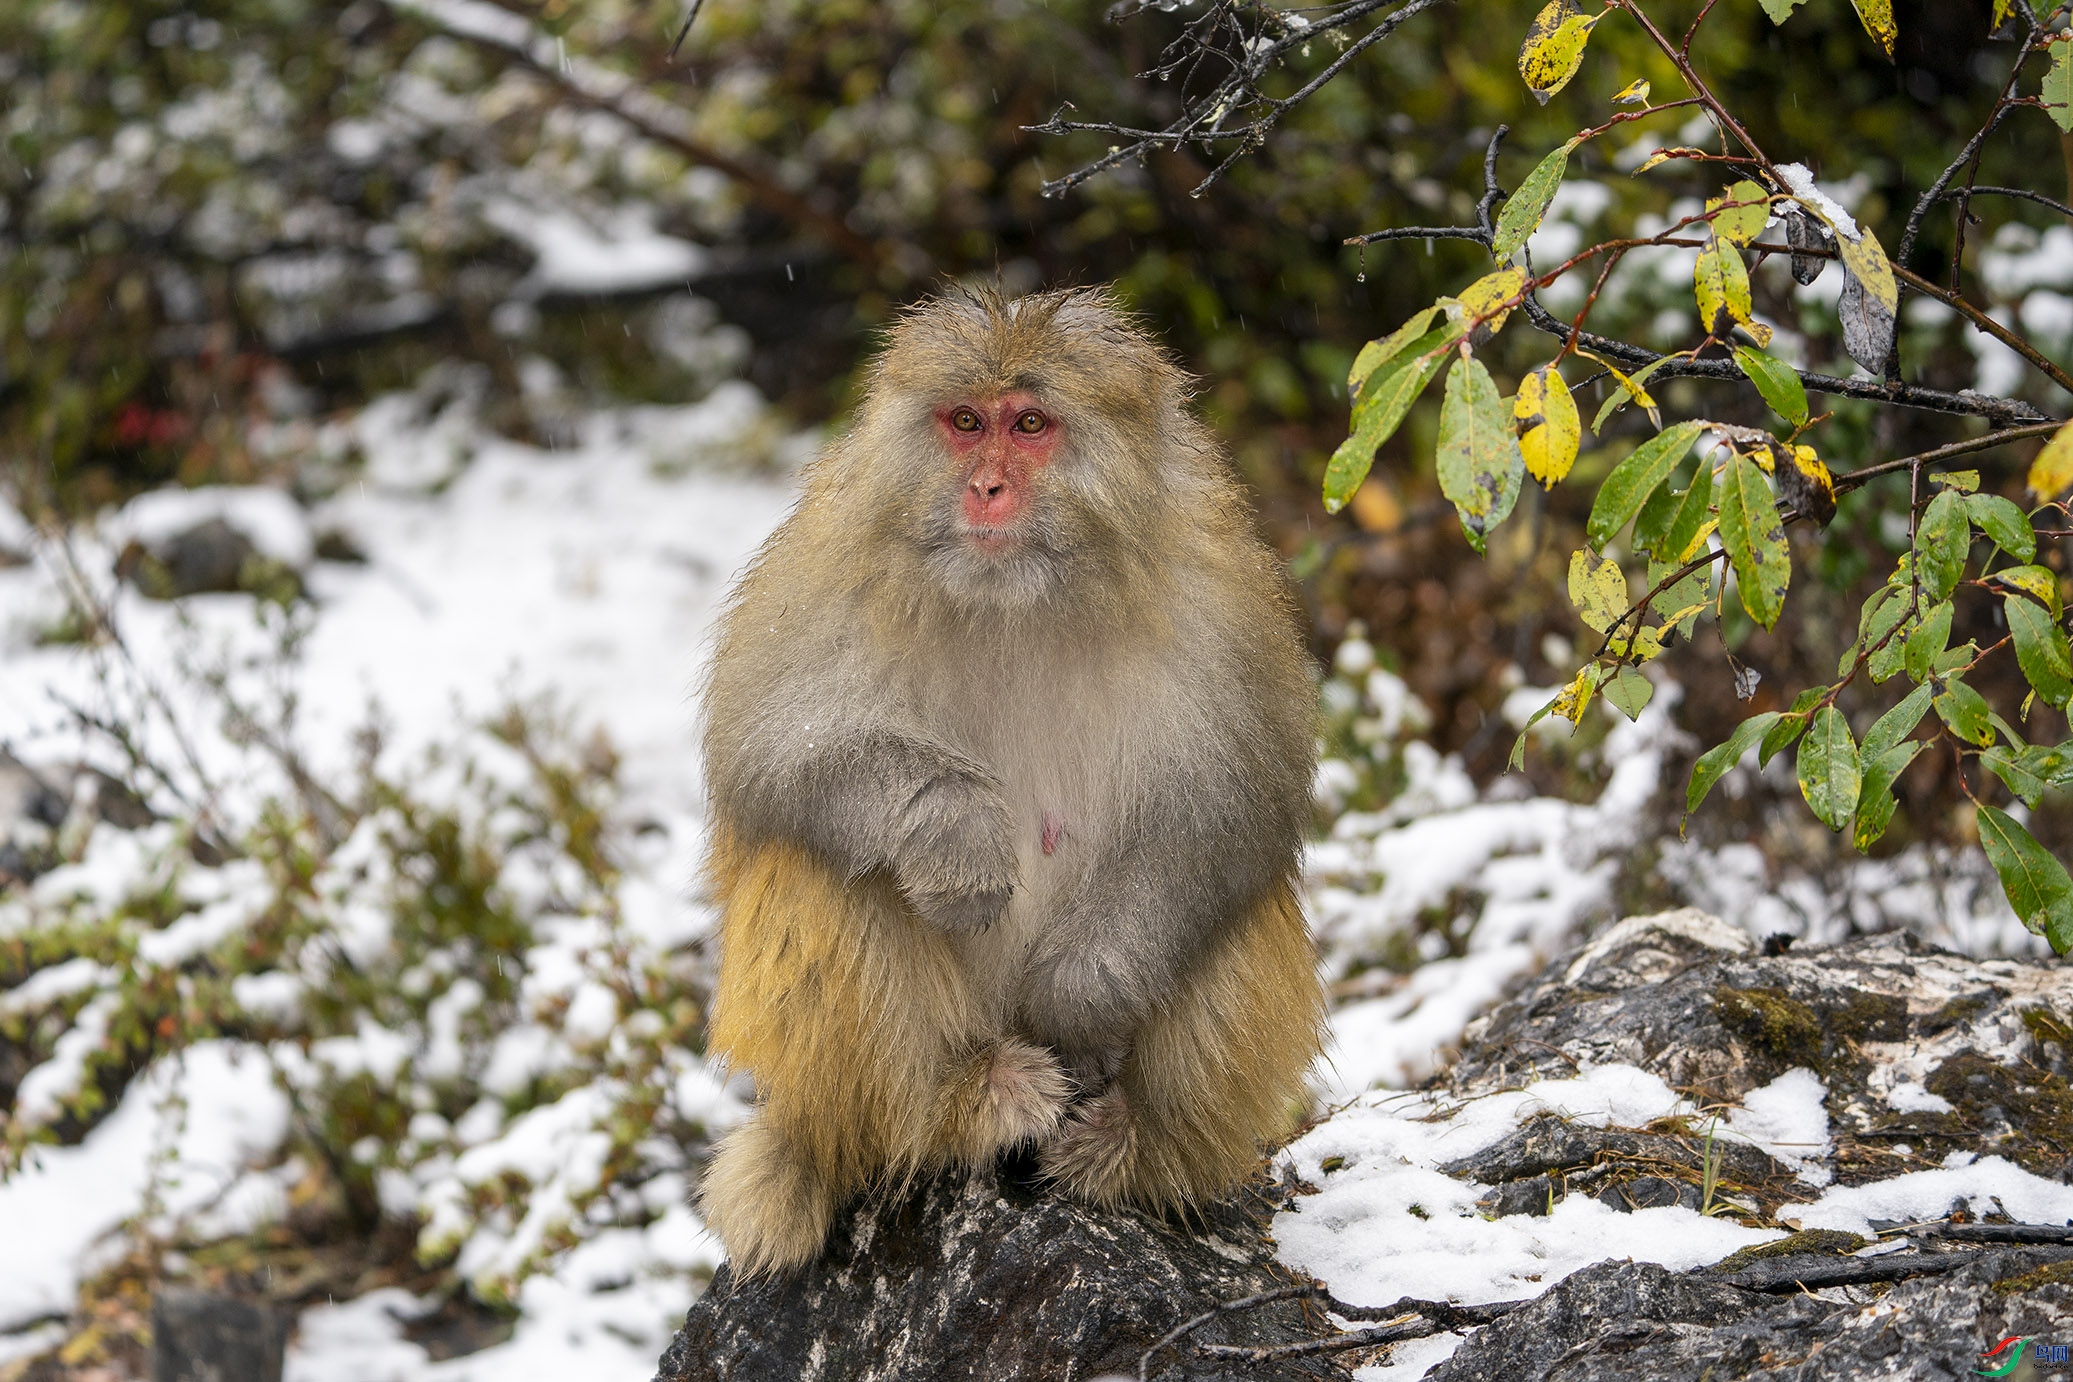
965, 420
1031, 422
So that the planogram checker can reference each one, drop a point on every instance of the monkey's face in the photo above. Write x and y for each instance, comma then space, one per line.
998, 447
998, 530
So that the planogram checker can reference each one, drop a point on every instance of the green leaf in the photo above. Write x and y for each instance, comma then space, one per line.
1480, 466
1886, 613
1963, 481
2037, 884
1629, 692
1927, 642
1680, 605
1652, 524
1739, 224
1965, 712
1829, 775
1549, 430
1598, 589
1554, 47
2058, 96
2006, 524
1777, 381
1524, 209
1622, 493
2039, 582
2040, 647
2018, 772
1375, 354
1791, 727
1875, 800
1755, 540
1381, 409
1779, 9
1685, 528
1896, 724
1942, 541
1715, 762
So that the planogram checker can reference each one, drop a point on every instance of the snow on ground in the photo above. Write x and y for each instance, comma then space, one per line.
1388, 1223
593, 573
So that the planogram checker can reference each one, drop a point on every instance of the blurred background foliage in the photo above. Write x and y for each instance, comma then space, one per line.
227, 221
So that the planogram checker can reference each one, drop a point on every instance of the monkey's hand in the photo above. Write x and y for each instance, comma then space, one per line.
955, 859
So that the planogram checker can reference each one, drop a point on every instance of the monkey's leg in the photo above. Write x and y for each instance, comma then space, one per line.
1213, 1074
849, 1013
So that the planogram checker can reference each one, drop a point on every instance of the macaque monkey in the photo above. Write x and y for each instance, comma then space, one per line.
1009, 746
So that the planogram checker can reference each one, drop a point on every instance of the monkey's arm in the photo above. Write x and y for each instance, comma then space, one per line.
869, 796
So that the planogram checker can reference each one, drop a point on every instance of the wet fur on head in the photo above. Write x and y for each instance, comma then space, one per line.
1120, 397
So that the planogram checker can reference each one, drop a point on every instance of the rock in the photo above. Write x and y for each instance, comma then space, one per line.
211, 557
200, 1336
1636, 1322
1924, 1053
40, 803
976, 1275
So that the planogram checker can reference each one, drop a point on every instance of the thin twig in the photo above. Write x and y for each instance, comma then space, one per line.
1986, 324
1851, 479
621, 96
1965, 155
2026, 195
1966, 403
1492, 193
685, 32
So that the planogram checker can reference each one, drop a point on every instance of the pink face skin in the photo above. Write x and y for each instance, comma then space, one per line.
998, 444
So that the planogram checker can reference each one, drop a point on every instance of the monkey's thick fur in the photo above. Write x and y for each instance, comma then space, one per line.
1005, 837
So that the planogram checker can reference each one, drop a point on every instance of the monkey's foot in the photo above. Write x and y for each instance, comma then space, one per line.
1093, 1154
764, 1201
1012, 1094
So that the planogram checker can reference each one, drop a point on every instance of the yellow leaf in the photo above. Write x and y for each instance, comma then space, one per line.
1878, 22
1740, 214
1804, 482
1549, 428
2002, 9
1635, 93
2051, 474
1598, 589
1482, 298
1720, 281
1630, 387
1866, 261
1575, 698
1554, 47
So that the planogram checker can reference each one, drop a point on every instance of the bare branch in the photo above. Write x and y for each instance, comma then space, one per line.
588, 84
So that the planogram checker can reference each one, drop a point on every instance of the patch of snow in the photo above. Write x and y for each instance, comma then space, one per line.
1787, 1119
58, 1212
1388, 1223
1923, 1195
1911, 1097
269, 518
1799, 180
